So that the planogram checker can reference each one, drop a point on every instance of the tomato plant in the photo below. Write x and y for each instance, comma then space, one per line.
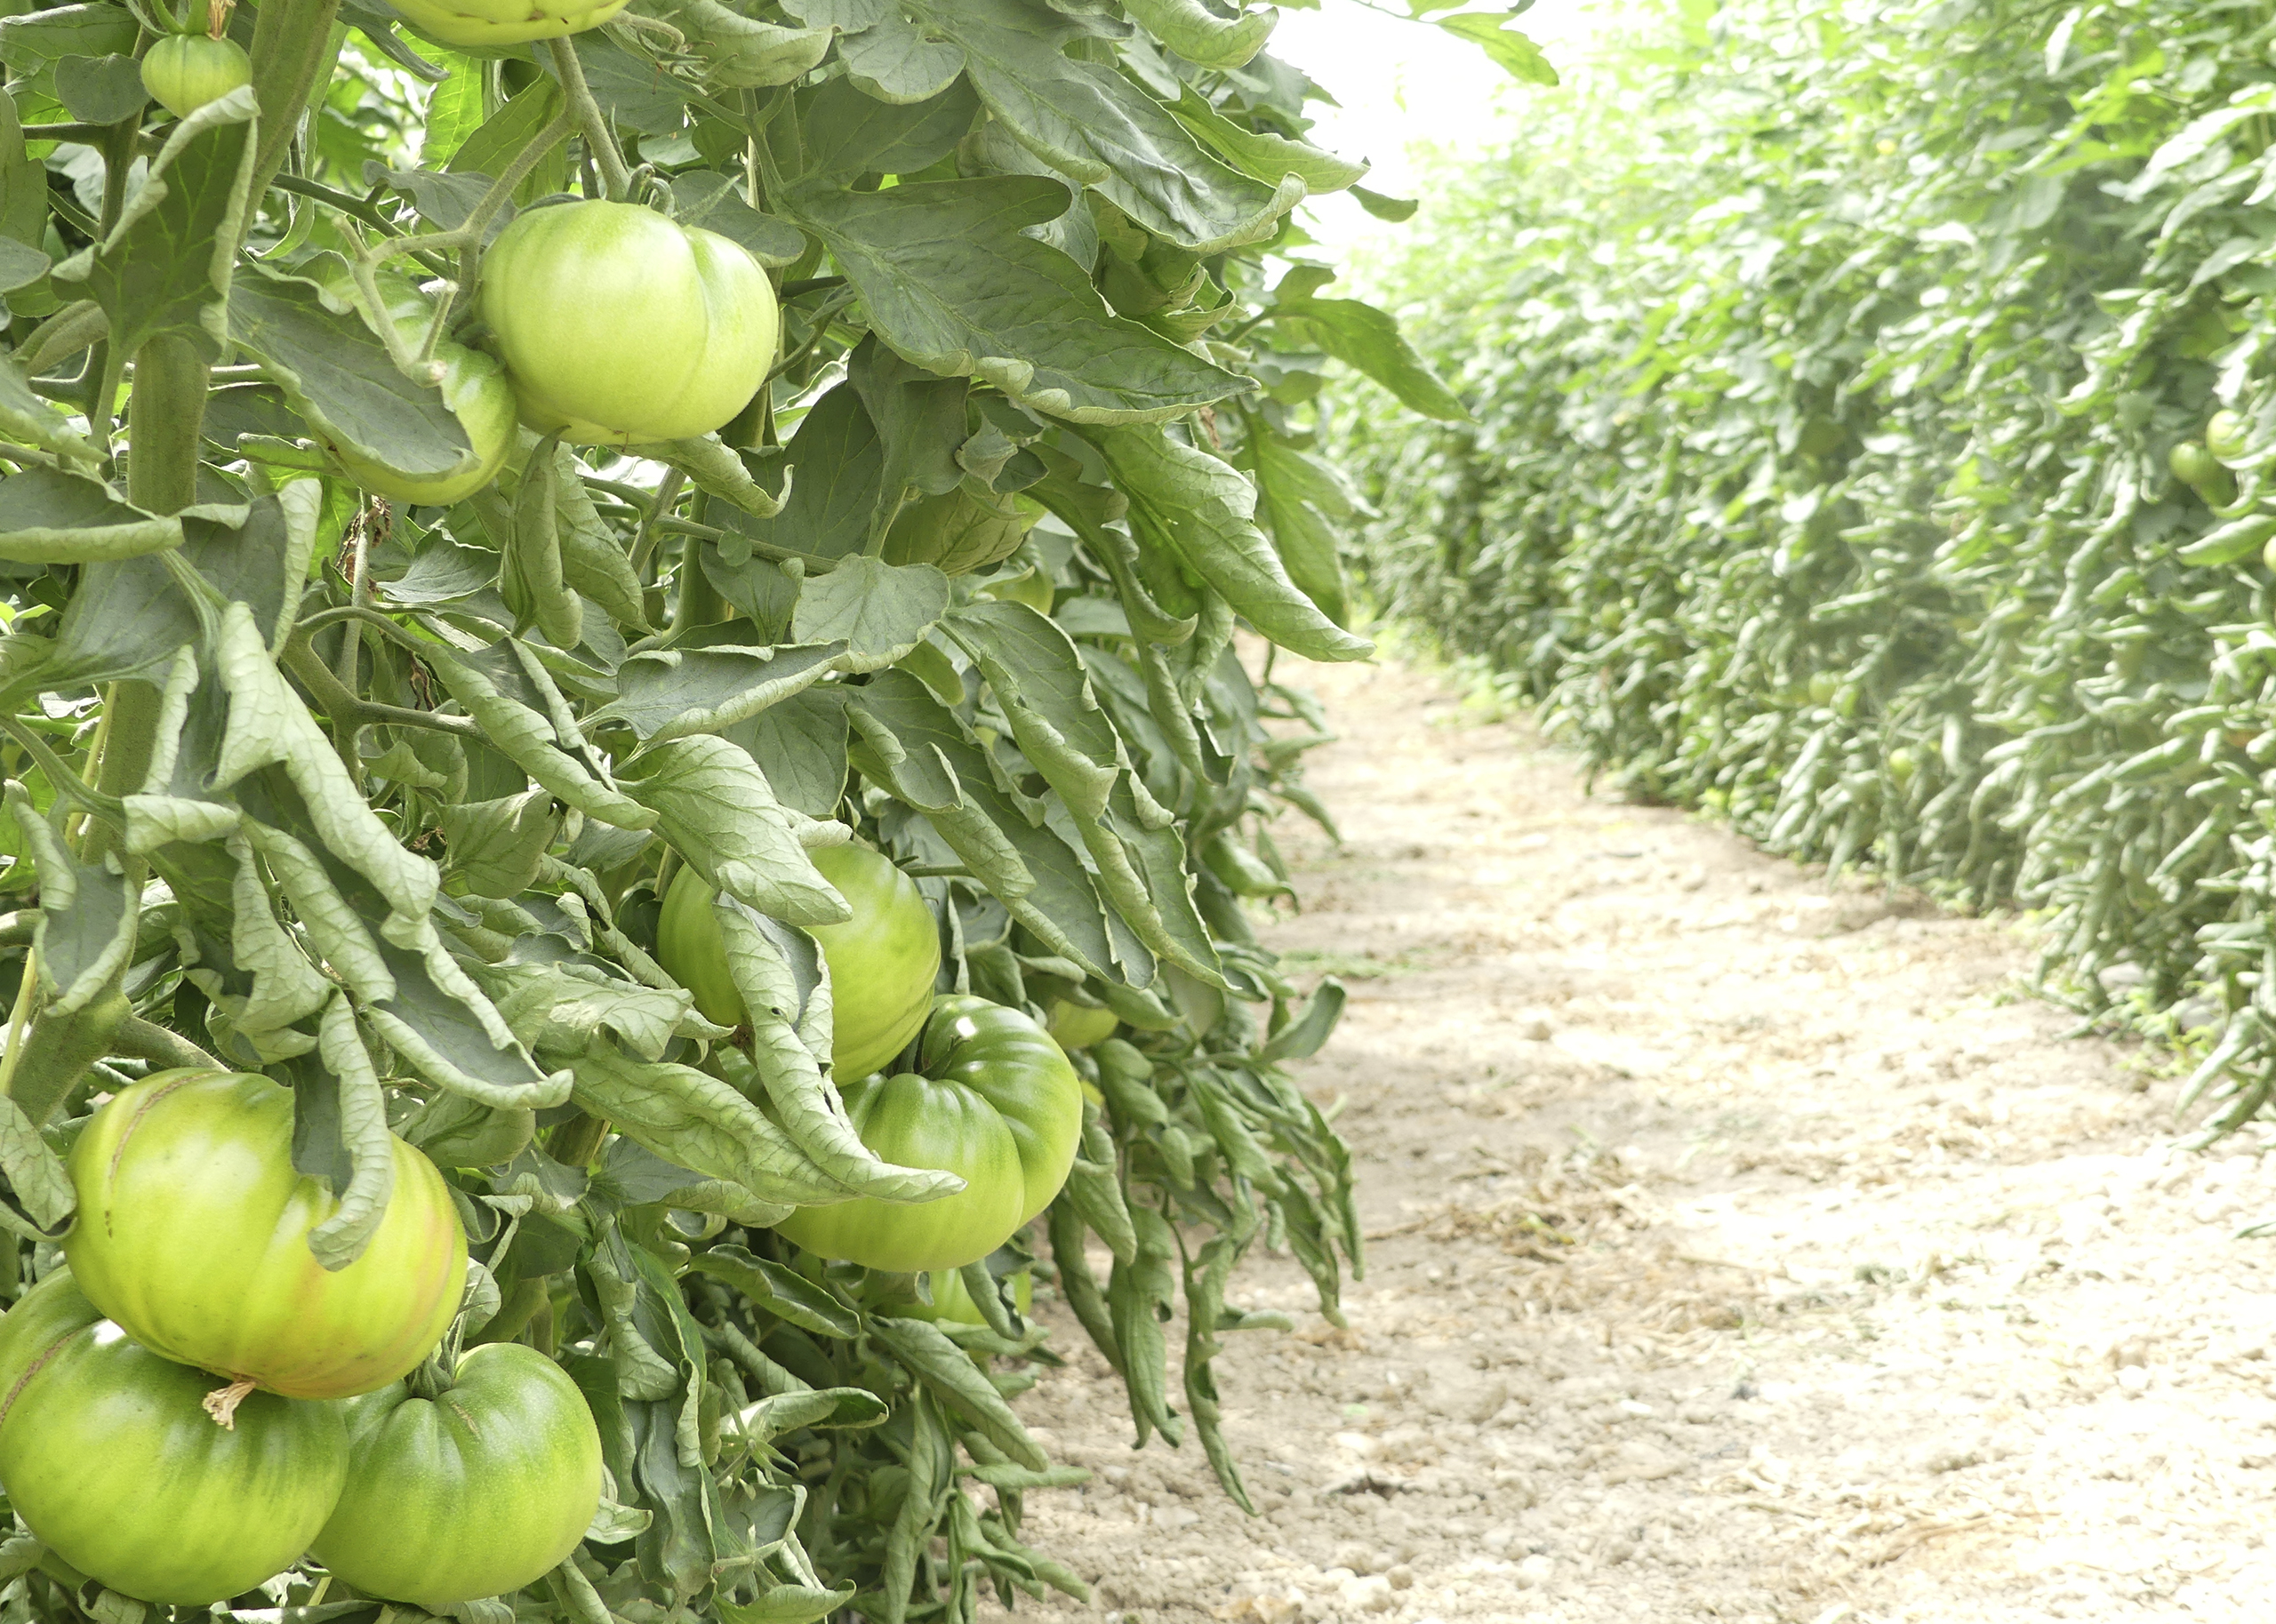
993, 1100
525, 471
476, 1489
619, 327
2063, 643
108, 1454
882, 960
197, 1235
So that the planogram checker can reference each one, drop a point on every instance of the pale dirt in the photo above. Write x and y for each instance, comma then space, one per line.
1741, 1249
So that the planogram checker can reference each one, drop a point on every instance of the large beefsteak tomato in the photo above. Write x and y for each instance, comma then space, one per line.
619, 327
882, 960
193, 1234
993, 1100
107, 1454
474, 1492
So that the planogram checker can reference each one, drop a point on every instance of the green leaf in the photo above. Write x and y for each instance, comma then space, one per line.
49, 516
1361, 336
494, 144
1514, 51
101, 89
957, 1383
799, 743
454, 108
1261, 153
512, 726
1193, 508
878, 611
714, 202
785, 1604
1397, 210
1308, 506
340, 1239
847, 133
669, 693
953, 286
496, 847
166, 265
696, 1120
716, 808
741, 51
782, 1291
1204, 37
337, 374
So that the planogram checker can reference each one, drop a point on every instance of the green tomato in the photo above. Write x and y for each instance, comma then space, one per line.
193, 1234
1903, 764
504, 22
475, 387
1823, 686
475, 1492
882, 960
952, 1302
619, 328
1078, 1026
183, 72
108, 1454
992, 1101
2224, 436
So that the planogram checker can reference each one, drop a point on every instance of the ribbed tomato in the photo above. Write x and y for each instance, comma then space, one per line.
882, 960
107, 1454
993, 1100
619, 327
476, 1491
183, 72
193, 1234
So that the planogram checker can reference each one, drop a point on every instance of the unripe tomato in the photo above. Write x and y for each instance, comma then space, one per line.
504, 22
183, 72
107, 1451
1078, 1026
882, 960
476, 389
2224, 436
475, 1492
952, 1302
619, 328
992, 1101
193, 1234
1903, 764
1823, 686
2192, 463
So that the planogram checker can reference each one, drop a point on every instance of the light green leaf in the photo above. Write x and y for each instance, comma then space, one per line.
716, 807
1204, 37
49, 516
1513, 51
35, 1172
952, 284
87, 915
1191, 507
1261, 153
958, 1383
741, 50
496, 847
668, 693
340, 1239
878, 611
1363, 337
694, 1119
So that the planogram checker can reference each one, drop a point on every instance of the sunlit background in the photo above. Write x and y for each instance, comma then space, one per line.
1407, 90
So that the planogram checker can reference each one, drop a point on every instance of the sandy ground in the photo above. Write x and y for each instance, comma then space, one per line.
1742, 1249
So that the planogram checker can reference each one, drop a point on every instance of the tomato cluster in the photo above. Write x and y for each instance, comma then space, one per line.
194, 1401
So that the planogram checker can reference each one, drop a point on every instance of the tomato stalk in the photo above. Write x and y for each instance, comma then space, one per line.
293, 49
616, 179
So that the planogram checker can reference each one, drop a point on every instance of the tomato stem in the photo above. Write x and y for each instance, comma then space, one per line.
616, 179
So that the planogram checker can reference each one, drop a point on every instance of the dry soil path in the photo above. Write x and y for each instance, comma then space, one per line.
1741, 1250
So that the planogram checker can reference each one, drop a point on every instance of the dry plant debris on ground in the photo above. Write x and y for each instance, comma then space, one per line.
1742, 1249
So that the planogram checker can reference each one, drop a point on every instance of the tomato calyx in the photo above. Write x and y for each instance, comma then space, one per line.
221, 1404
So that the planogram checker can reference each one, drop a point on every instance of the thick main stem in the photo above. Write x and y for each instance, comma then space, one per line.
294, 50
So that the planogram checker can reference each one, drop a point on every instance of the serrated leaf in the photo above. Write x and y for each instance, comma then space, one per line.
668, 693
1261, 153
1195, 508
741, 51
1513, 51
687, 1116
716, 807
1206, 38
166, 266
952, 284
1363, 337
878, 611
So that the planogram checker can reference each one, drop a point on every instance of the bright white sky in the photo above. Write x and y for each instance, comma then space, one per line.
1404, 85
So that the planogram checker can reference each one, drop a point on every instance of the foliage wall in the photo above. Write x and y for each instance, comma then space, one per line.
1828, 363
354, 737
